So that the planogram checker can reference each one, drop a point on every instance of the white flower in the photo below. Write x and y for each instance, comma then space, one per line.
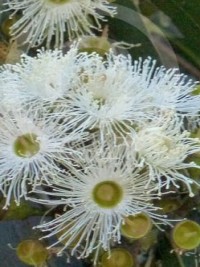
99, 197
168, 88
9, 86
109, 95
32, 144
115, 95
164, 148
47, 77
43, 19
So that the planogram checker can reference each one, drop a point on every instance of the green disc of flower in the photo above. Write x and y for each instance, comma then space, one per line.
136, 226
32, 252
186, 235
107, 194
119, 257
27, 145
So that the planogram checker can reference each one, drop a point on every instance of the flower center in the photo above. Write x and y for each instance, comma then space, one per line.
100, 101
26, 145
107, 194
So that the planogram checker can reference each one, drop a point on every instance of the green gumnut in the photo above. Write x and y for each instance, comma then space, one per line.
32, 252
7, 24
186, 235
118, 257
136, 226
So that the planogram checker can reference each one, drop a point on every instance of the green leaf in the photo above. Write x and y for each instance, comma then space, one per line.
129, 27
183, 27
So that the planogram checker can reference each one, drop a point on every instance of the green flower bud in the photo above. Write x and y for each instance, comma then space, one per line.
118, 257
186, 235
7, 23
32, 252
136, 226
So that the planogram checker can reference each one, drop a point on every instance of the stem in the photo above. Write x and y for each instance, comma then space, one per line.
180, 260
178, 256
150, 258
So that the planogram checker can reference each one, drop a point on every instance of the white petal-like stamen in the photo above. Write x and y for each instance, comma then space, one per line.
114, 96
47, 77
100, 196
164, 148
32, 144
109, 96
168, 88
44, 19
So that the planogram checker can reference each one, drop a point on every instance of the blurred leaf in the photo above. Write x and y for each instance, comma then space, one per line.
128, 26
131, 26
184, 16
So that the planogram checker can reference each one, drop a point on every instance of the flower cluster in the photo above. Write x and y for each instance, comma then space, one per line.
103, 137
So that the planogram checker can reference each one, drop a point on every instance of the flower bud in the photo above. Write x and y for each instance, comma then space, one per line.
136, 226
118, 257
186, 235
32, 252
7, 23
